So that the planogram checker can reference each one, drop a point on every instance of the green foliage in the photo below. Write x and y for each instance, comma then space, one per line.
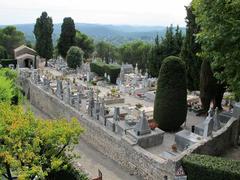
207, 85
3, 53
204, 167
85, 43
135, 52
219, 37
67, 36
107, 51
43, 30
190, 49
170, 45
74, 57
170, 106
10, 39
100, 68
6, 90
113, 70
7, 62
70, 173
34, 147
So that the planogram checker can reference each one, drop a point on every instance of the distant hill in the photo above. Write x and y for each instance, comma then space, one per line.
116, 34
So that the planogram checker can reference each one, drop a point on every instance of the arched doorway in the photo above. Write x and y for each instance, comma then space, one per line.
28, 63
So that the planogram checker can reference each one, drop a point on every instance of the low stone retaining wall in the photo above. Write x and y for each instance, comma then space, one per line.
130, 156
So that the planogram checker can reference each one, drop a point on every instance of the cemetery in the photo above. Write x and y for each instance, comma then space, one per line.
117, 113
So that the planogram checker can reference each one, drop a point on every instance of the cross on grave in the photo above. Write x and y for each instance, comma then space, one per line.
142, 126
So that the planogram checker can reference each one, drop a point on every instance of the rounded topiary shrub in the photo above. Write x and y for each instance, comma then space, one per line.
74, 57
170, 106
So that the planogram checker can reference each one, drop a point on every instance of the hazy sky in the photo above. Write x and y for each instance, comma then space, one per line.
133, 12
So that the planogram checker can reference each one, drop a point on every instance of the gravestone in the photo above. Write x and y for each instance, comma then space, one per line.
208, 126
142, 126
116, 115
205, 128
216, 122
90, 103
59, 90
96, 111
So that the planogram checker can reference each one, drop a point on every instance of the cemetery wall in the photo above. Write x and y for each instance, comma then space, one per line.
221, 140
132, 157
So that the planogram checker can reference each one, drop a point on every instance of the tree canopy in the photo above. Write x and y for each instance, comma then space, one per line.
67, 36
74, 57
85, 43
219, 37
10, 39
169, 45
135, 52
33, 147
43, 30
190, 49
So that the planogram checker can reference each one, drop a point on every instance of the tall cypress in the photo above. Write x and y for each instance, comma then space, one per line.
43, 30
67, 36
190, 49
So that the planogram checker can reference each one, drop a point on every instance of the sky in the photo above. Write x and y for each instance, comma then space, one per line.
127, 12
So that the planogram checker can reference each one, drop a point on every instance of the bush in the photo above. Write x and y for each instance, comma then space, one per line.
100, 68
70, 174
204, 167
74, 57
7, 62
6, 89
3, 53
113, 71
170, 107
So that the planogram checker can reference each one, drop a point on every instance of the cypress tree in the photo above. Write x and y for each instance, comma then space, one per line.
207, 85
67, 36
170, 106
190, 49
43, 30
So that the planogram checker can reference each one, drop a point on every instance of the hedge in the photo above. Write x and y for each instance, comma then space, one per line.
100, 68
6, 62
204, 167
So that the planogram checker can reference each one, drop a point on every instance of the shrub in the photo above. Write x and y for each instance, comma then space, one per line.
113, 71
7, 62
74, 57
170, 107
100, 68
6, 89
204, 167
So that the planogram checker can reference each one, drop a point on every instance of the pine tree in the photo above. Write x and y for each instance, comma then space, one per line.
43, 30
67, 36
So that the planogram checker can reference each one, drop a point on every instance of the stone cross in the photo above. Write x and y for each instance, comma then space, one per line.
216, 125
142, 126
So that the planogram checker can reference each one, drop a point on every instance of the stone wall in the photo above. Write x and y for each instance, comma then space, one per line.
131, 157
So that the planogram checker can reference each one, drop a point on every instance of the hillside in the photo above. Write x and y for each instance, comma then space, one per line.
116, 34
